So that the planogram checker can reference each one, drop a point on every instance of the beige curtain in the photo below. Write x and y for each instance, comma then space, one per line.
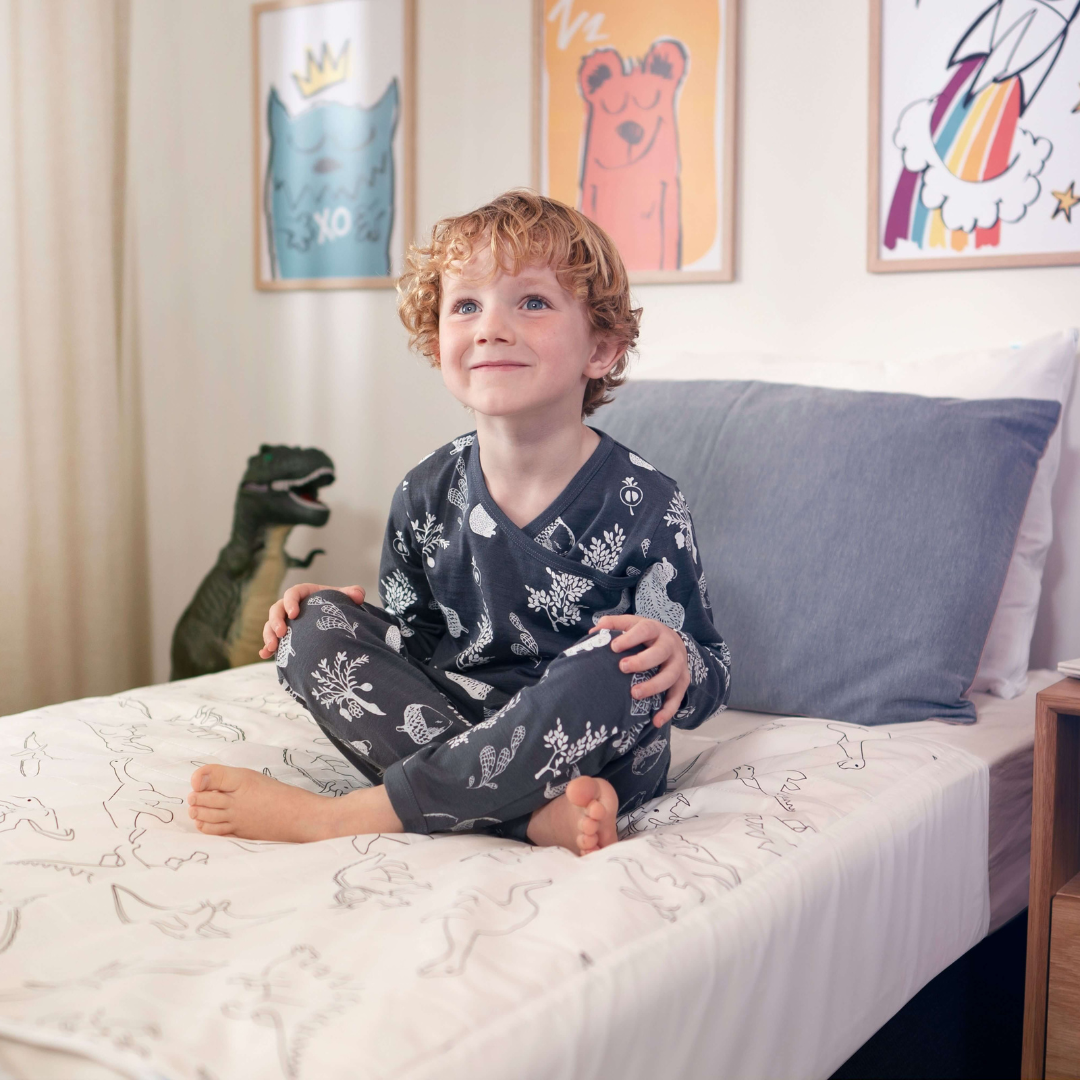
73, 611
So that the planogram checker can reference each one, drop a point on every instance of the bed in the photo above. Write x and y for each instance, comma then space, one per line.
151, 949
801, 879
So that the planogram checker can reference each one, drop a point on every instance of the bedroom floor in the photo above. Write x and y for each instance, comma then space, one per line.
966, 1023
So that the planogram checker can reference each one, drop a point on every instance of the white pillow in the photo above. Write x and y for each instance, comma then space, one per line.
1043, 369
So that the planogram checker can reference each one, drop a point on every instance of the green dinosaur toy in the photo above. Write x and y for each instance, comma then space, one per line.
222, 626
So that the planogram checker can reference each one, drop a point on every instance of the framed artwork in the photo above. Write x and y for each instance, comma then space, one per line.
334, 90
974, 134
634, 124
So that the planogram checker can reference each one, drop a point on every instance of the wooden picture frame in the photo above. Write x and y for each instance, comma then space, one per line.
936, 68
700, 168
372, 221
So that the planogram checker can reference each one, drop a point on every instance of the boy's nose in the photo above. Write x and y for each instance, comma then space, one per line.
630, 131
492, 329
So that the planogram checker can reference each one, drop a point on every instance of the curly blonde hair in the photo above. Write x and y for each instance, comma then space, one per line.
522, 228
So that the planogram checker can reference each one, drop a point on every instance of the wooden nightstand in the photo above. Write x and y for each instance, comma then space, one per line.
1055, 861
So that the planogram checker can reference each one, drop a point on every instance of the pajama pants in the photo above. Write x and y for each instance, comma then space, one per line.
454, 753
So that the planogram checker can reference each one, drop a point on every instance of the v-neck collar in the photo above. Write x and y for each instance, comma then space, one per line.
525, 537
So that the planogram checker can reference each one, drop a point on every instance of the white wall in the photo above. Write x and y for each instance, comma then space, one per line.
226, 368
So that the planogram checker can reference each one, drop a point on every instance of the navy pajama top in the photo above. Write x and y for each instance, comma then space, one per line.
482, 599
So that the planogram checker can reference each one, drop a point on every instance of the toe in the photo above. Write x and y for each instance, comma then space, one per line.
213, 817
582, 790
213, 830
214, 778
588, 826
216, 799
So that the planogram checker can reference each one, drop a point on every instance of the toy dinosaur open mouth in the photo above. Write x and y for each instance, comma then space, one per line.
304, 490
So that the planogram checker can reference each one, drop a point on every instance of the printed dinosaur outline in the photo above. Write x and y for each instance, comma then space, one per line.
185, 923
476, 914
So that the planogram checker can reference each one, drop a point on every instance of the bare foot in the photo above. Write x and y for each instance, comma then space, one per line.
241, 802
582, 818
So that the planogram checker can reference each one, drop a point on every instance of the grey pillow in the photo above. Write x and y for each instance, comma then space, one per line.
855, 544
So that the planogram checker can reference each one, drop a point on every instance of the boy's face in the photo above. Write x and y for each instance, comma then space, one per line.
517, 344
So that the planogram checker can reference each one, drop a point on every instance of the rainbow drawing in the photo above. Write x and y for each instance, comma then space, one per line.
1000, 64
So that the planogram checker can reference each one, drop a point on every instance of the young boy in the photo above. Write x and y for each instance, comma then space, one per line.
475, 699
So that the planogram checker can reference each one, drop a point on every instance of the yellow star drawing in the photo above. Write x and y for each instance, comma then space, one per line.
1066, 201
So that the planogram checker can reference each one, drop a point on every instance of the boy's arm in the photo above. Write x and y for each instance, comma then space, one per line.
682, 582
403, 585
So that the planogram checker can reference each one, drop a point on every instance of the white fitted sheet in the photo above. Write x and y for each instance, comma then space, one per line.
758, 924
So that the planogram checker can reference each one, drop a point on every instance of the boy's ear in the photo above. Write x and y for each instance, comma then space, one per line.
597, 69
605, 356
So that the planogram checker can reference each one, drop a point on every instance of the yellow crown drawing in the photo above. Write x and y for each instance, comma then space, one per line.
326, 72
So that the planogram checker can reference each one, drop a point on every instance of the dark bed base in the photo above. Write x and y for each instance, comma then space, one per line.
965, 1024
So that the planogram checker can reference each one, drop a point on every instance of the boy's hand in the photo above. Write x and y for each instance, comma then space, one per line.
664, 649
289, 607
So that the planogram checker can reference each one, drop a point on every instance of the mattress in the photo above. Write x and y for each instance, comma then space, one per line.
801, 880
1004, 739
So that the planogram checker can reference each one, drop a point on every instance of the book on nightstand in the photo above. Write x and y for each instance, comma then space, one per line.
1070, 668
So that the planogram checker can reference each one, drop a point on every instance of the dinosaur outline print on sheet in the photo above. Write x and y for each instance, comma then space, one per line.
631, 823
476, 914
32, 754
114, 969
788, 782
366, 843
17, 809
329, 774
510, 856
121, 738
695, 857
117, 859
375, 877
185, 923
774, 833
856, 760
122, 1032
663, 892
136, 797
294, 995
11, 919
208, 723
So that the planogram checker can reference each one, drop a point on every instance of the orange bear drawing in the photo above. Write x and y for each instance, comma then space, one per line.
630, 162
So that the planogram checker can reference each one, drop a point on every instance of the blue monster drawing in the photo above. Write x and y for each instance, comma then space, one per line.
329, 195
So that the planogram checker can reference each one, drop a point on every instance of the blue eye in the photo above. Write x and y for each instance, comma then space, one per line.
535, 303
468, 307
